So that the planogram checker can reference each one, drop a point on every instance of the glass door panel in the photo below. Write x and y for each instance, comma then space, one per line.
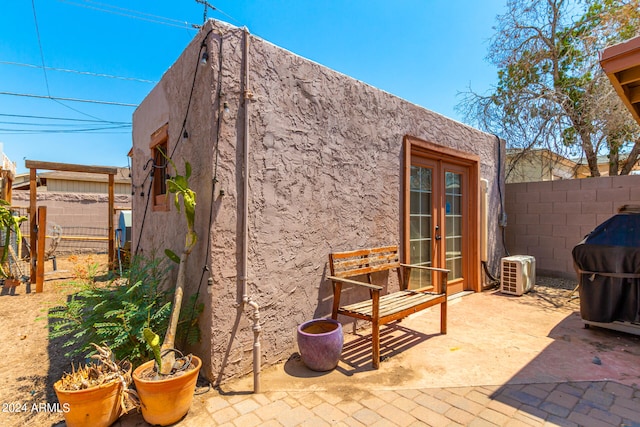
453, 221
420, 228
440, 225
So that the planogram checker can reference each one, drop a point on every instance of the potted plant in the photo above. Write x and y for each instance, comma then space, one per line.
98, 393
166, 385
9, 223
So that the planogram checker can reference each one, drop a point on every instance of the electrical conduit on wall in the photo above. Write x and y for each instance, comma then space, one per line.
246, 299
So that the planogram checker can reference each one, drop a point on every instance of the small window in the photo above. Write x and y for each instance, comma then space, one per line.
159, 146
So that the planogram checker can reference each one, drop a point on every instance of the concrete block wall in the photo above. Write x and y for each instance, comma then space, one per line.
77, 214
547, 219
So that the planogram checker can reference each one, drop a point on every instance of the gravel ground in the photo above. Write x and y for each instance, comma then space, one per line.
557, 282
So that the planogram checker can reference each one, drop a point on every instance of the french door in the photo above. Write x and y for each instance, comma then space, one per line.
440, 215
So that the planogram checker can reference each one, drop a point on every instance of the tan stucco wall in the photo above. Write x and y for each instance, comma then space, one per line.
325, 163
547, 219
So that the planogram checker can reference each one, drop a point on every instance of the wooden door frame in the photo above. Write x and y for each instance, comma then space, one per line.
413, 146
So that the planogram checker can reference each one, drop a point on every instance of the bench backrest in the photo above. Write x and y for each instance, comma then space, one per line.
363, 261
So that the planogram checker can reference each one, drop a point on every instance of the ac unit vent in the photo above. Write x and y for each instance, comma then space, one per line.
518, 274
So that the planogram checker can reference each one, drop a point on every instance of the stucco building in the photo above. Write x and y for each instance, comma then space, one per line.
291, 161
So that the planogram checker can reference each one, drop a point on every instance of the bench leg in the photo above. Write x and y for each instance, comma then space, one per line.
375, 341
337, 289
443, 317
375, 327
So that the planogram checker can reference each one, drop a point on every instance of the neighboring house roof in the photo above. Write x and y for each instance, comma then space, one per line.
542, 164
8, 167
621, 63
539, 164
22, 181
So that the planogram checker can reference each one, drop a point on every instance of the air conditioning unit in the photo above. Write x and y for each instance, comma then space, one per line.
518, 274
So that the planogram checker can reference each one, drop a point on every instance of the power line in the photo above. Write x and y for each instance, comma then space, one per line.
57, 98
44, 69
59, 125
206, 6
130, 13
48, 131
135, 14
63, 119
88, 73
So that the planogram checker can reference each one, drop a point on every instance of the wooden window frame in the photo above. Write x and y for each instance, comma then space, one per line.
159, 195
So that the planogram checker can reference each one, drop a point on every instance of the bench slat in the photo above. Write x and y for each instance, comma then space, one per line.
351, 263
365, 270
391, 304
363, 252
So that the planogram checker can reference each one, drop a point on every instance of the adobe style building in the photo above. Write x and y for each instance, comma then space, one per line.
291, 161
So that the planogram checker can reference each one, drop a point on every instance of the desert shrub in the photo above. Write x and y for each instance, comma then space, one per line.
117, 313
86, 271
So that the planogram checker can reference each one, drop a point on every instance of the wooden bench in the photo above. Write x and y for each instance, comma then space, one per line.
380, 310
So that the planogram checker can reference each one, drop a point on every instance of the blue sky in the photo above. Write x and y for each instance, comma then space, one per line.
425, 51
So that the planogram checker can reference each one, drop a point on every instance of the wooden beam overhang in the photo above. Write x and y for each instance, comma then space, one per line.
621, 63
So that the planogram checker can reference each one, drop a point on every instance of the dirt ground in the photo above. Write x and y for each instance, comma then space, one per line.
30, 361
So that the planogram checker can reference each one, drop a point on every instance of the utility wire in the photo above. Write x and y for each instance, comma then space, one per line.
57, 98
45, 131
58, 124
135, 14
63, 119
44, 69
129, 13
88, 73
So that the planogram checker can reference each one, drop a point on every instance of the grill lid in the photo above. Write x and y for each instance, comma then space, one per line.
622, 229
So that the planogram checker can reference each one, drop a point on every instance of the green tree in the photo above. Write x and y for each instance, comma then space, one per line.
551, 91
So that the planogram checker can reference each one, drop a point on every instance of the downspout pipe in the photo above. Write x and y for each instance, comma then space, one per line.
246, 299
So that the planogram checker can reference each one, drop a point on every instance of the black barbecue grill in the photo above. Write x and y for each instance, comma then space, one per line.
608, 265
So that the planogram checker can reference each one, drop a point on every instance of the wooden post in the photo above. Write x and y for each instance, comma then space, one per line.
9, 190
33, 165
42, 237
112, 235
33, 224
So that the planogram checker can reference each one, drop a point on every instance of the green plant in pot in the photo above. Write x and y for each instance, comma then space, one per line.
9, 223
120, 311
166, 385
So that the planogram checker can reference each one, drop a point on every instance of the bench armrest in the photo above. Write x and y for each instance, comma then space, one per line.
423, 267
443, 275
355, 282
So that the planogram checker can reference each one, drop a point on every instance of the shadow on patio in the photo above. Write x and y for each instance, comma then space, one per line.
493, 340
585, 376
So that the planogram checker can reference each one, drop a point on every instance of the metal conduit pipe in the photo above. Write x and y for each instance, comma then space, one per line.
256, 344
246, 300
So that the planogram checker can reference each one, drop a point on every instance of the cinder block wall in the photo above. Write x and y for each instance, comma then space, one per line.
77, 214
547, 219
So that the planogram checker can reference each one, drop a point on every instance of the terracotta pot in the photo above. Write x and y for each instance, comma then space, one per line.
96, 406
167, 401
320, 343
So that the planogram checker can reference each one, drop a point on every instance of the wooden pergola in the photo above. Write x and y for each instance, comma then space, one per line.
38, 216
